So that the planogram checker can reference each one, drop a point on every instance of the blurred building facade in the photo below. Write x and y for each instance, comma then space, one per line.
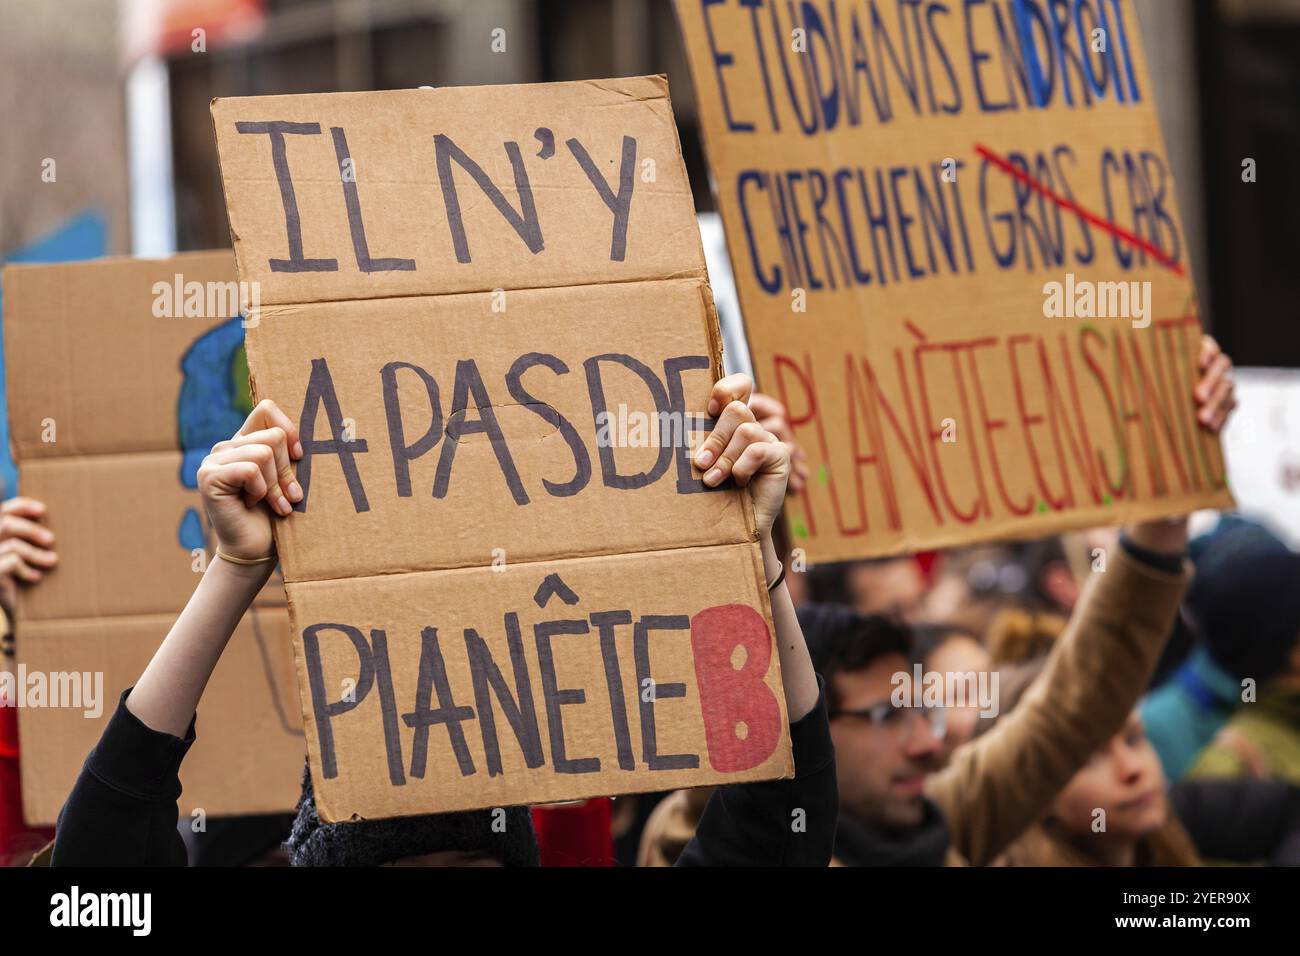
63, 133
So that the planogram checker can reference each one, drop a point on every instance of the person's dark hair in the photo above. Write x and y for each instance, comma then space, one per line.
826, 583
841, 639
929, 637
1244, 600
1036, 557
829, 583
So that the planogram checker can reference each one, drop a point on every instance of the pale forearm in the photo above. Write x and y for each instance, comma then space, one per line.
168, 692
797, 674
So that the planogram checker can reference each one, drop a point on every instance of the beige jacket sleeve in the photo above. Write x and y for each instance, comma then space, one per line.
1003, 781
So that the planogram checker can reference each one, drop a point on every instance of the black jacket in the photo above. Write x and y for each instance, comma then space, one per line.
1241, 820
122, 809
776, 822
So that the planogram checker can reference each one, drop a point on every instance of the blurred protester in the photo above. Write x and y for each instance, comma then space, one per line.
671, 826
122, 809
1244, 607
1050, 583
894, 586
952, 652
26, 553
971, 585
1017, 634
1115, 810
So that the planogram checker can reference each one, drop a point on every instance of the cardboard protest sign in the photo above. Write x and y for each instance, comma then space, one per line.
959, 258
123, 374
488, 310
1262, 443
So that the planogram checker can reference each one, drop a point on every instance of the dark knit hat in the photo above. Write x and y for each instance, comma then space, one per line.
1244, 600
375, 842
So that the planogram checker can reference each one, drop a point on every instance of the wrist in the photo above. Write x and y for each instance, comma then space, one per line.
1165, 536
771, 561
253, 574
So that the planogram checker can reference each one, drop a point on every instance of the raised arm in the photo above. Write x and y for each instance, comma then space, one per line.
1003, 781
122, 809
774, 822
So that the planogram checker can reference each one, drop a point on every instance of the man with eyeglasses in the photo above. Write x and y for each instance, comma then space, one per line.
899, 804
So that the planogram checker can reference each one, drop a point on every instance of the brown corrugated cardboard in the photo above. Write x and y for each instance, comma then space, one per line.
918, 204
109, 380
492, 603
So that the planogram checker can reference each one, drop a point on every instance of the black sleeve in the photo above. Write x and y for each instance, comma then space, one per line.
776, 822
1241, 820
122, 809
1160, 560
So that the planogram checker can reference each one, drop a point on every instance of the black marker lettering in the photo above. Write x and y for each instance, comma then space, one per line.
525, 224
356, 224
292, 223
404, 454
620, 205
320, 391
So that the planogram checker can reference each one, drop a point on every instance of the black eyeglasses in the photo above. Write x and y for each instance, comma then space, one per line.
899, 721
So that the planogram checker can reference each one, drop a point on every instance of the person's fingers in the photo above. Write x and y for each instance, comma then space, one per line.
13, 566
244, 479
238, 480
745, 435
776, 424
40, 557
733, 416
1215, 412
267, 414
1218, 370
765, 406
1209, 349
757, 457
15, 526
733, 388
277, 439
24, 508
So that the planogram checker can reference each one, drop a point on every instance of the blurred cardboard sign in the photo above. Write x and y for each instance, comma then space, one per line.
488, 310
123, 373
1262, 442
960, 264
